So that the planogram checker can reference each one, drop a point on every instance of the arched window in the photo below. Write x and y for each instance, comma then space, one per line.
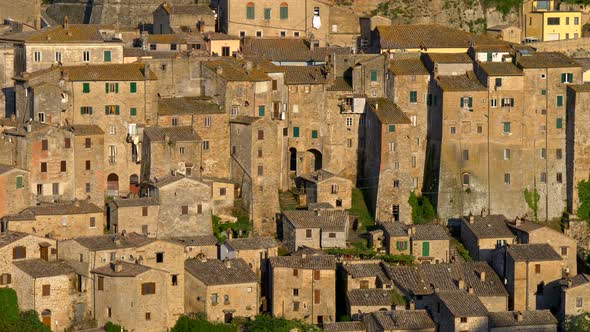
284, 11
250, 11
466, 179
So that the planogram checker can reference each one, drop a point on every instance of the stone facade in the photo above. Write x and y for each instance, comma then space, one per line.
481, 235
574, 296
89, 152
315, 229
577, 157
169, 18
325, 187
15, 194
139, 215
30, 246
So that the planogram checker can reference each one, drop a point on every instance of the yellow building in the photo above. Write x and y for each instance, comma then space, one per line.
553, 25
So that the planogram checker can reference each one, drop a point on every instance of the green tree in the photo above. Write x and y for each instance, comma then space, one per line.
422, 210
200, 324
266, 323
579, 323
12, 321
584, 196
532, 200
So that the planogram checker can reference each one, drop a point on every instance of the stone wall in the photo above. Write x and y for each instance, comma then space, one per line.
31, 243
61, 226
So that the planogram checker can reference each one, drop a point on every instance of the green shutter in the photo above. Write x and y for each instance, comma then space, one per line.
559, 101
133, 87
506, 127
470, 102
397, 245
373, 76
107, 56
116, 87
86, 87
413, 96
426, 249
133, 111
19, 182
106, 110
559, 123
261, 110
543, 92
81, 110
405, 245
570, 77
511, 102
284, 12
106, 87
462, 102
250, 12
117, 110
295, 131
90, 111
267, 13
314, 134
391, 128
563, 77
489, 56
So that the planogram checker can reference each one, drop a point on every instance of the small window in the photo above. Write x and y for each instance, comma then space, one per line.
332, 235
43, 167
295, 291
465, 155
159, 257
316, 275
558, 154
466, 179
295, 306
85, 87
284, 14
19, 252
184, 210
314, 134
559, 123
55, 188
559, 101
543, 177
205, 145
88, 143
92, 222
144, 211
295, 131
174, 122
453, 130
267, 13
86, 56
579, 302
316, 296
107, 56
37, 56
498, 82
537, 268
506, 154
506, 178
563, 251
199, 208
46, 290
148, 316
261, 134
559, 177
261, 110
250, 11
175, 280
44, 145
553, 21
349, 121
148, 288
507, 129
413, 97
57, 56
295, 272
86, 110
87, 188
308, 233
463, 319
100, 283
173, 47
133, 87
260, 170
222, 191
63, 166
67, 143
87, 165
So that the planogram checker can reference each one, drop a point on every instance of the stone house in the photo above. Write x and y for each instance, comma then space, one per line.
482, 234
132, 295
429, 243
89, 152
511, 34
167, 151
58, 220
420, 282
303, 287
185, 205
52, 289
399, 321
170, 18
198, 246
134, 215
365, 274
264, 18
396, 239
209, 121
353, 326
574, 296
534, 320
459, 310
530, 271
174, 42
325, 187
68, 44
15, 246
220, 289
362, 301
223, 193
14, 184
220, 44
528, 232
315, 229
386, 160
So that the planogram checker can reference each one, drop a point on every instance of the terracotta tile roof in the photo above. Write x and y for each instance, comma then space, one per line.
40, 268
56, 209
7, 238
130, 202
533, 252
288, 50
372, 297
500, 69
127, 269
335, 221
584, 62
387, 111
580, 87
304, 262
422, 279
168, 179
320, 206
462, 304
526, 226
460, 83
217, 272
318, 176
405, 36
75, 33
220, 36
110, 72
190, 9
546, 60
188, 105
340, 84
236, 70
174, 134
429, 232
109, 242
527, 318
87, 130
449, 58
246, 120
394, 229
304, 75
367, 270
489, 227
197, 240
493, 48
408, 67
397, 320
356, 326
6, 168
252, 243
308, 251
577, 280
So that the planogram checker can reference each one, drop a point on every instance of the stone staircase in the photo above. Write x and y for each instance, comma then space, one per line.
288, 200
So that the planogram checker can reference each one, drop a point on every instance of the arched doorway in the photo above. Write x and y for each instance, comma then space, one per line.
293, 160
113, 185
46, 317
315, 160
134, 184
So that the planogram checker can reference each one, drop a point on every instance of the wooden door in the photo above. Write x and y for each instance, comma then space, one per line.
44, 253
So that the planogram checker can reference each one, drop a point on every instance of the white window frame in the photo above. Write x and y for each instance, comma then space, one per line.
86, 56
349, 121
506, 154
207, 121
493, 103
58, 56
37, 56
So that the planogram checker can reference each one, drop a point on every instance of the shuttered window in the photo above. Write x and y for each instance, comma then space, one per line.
148, 288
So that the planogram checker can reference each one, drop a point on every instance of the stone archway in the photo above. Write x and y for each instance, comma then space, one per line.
112, 184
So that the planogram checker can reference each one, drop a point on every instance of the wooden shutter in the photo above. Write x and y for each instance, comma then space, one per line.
46, 290
316, 296
101, 283
316, 275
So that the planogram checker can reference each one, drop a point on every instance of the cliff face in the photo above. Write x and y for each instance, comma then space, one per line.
469, 15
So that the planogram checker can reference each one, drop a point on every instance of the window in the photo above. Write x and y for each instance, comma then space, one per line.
543, 177
39, 189
506, 154
88, 143
543, 92
507, 102
295, 272
316, 11
43, 167
250, 11
558, 154
396, 183
349, 121
148, 316
506, 127
261, 110
494, 102
87, 165
92, 222
46, 290
85, 87
174, 122
63, 166
234, 111
133, 87
111, 110
567, 21
579, 299
334, 189
414, 161
349, 142
44, 145
260, 134
111, 87
57, 56
296, 34
559, 101
559, 123
87, 187
463, 319
153, 47
159, 257
199, 209
107, 56
295, 291
148, 288
86, 56
316, 296
576, 20
391, 147
395, 212
413, 97
465, 154
283, 34
567, 78
67, 143
100, 283
37, 56
295, 306
401, 245
563, 251
314, 134
284, 11
184, 210
222, 191
205, 145
373, 76
86, 110
259, 152
308, 233
295, 131
498, 82
543, 153
559, 177
466, 102
19, 182
19, 252
55, 187
173, 47
267, 13
260, 170
332, 235
316, 275
466, 179
479, 129
506, 178
553, 21
453, 130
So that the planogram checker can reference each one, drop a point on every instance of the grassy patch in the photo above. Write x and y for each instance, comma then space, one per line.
462, 250
242, 226
359, 208
359, 249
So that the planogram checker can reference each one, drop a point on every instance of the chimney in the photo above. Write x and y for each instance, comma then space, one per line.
411, 230
117, 266
517, 221
229, 234
519, 317
201, 26
377, 106
167, 139
461, 284
249, 65
412, 305
219, 70
303, 256
471, 218
202, 258
470, 290
227, 263
318, 213
66, 22
484, 212
482, 275
569, 282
